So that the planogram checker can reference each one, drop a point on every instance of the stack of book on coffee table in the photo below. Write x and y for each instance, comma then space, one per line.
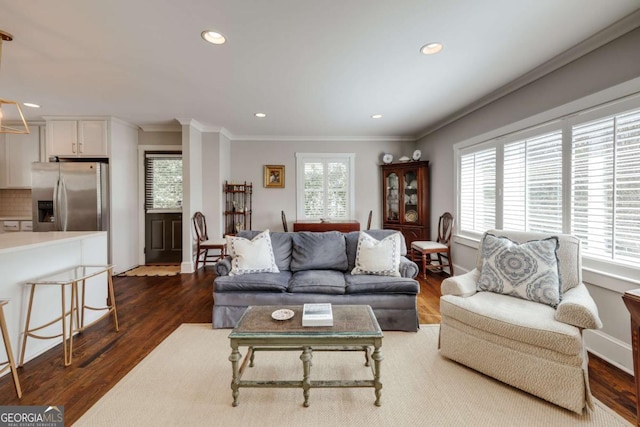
317, 315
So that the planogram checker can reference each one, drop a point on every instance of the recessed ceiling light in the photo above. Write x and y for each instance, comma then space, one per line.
260, 115
213, 37
376, 116
431, 48
31, 104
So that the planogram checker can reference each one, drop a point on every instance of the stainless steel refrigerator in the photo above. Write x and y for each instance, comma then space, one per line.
70, 196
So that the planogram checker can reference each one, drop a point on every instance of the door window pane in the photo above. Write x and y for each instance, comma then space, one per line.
163, 181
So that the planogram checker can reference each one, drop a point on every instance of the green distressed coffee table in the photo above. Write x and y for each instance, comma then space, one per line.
355, 328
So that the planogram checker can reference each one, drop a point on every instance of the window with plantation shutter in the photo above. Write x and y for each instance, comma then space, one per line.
532, 184
324, 185
606, 186
163, 182
478, 191
578, 175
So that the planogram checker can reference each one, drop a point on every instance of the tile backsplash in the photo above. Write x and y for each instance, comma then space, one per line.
15, 203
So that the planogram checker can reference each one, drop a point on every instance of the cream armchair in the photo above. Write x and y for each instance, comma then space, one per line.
529, 345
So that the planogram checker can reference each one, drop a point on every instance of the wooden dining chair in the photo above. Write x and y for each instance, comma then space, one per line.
442, 247
284, 222
204, 244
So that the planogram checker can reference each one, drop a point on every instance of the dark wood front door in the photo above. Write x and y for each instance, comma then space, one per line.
163, 207
163, 237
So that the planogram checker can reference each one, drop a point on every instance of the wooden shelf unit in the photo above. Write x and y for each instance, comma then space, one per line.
405, 199
238, 208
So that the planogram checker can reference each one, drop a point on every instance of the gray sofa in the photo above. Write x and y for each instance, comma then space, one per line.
316, 267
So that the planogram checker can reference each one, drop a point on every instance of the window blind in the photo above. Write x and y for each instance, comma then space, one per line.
326, 183
478, 190
163, 181
532, 187
606, 186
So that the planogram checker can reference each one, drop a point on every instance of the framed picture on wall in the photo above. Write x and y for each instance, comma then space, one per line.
274, 176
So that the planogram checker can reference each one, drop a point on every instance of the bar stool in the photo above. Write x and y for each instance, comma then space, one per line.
71, 277
10, 364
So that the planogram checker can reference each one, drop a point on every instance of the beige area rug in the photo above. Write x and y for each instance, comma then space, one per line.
185, 382
153, 270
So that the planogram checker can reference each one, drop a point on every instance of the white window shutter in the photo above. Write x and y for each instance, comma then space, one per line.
532, 189
606, 186
325, 185
478, 191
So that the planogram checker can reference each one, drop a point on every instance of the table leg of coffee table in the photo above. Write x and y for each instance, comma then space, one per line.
306, 381
235, 380
377, 361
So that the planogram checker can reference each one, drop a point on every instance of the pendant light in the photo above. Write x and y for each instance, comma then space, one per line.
10, 107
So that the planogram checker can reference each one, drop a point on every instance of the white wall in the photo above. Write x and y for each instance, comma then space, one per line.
192, 188
123, 176
607, 73
249, 157
215, 170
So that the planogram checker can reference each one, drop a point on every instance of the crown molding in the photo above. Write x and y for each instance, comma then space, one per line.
161, 128
192, 123
321, 138
599, 39
276, 138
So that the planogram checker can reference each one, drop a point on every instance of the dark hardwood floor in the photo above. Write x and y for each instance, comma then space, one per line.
150, 308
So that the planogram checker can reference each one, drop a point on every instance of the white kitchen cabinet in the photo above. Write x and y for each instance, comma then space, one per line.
77, 138
18, 152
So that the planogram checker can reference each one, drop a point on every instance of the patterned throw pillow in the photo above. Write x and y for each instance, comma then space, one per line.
378, 257
251, 256
528, 270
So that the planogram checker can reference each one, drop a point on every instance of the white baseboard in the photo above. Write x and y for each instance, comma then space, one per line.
186, 267
610, 349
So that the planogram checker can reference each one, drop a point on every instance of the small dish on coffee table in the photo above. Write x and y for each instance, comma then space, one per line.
282, 314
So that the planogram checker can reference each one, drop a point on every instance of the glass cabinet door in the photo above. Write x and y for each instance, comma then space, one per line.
411, 197
392, 197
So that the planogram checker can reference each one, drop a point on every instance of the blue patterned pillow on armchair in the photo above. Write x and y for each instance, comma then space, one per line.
525, 270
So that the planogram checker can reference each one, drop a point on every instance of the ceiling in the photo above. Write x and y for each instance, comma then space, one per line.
317, 68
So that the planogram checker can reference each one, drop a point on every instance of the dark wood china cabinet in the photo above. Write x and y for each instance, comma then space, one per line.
405, 199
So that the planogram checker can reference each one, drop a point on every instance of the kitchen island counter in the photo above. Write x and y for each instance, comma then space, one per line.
10, 242
30, 255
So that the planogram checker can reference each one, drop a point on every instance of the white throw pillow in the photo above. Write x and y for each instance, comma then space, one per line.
527, 270
378, 257
251, 256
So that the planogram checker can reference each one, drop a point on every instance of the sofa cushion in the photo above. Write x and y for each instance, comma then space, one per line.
317, 282
352, 243
318, 251
527, 270
282, 244
369, 284
513, 318
256, 282
251, 256
378, 257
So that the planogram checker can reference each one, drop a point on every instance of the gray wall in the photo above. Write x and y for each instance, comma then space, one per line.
249, 157
605, 74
